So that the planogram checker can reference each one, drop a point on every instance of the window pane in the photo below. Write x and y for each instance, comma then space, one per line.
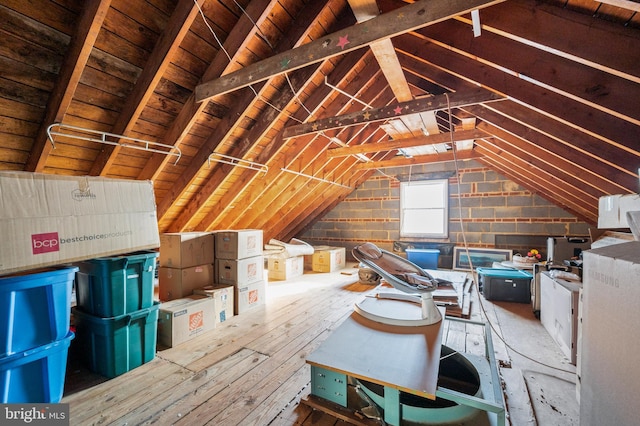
423, 222
424, 208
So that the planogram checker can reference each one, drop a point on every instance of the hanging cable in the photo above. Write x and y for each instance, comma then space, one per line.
466, 246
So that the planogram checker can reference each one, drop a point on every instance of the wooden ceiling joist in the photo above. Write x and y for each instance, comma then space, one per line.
395, 110
405, 19
395, 144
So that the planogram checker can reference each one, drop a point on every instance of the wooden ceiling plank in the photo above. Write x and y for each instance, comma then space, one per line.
236, 42
522, 122
263, 124
75, 60
228, 123
408, 18
597, 43
606, 127
395, 110
178, 26
395, 144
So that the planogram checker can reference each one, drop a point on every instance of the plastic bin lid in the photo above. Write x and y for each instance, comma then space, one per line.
504, 273
422, 250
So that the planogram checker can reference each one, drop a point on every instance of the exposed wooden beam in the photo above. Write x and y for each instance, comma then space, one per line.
177, 28
405, 19
420, 159
407, 142
395, 110
75, 61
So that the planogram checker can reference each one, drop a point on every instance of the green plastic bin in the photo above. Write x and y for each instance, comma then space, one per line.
113, 346
113, 286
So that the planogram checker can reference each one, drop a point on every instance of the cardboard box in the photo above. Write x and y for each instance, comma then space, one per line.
250, 296
284, 269
183, 319
610, 335
51, 219
238, 244
177, 283
612, 210
186, 249
240, 272
223, 296
329, 259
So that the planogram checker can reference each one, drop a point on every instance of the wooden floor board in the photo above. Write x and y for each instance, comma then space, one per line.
252, 369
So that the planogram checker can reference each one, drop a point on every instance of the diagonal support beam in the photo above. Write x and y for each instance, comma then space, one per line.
433, 103
467, 154
407, 143
408, 18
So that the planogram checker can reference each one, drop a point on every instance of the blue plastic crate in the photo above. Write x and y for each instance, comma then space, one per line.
424, 258
117, 285
34, 308
510, 285
36, 375
113, 346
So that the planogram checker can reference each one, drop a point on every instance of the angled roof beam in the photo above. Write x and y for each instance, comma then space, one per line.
177, 27
420, 159
395, 110
407, 142
405, 19
75, 60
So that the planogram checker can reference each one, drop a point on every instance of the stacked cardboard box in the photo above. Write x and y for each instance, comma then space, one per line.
240, 263
186, 263
328, 259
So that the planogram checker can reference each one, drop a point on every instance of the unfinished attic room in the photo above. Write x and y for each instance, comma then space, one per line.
319, 212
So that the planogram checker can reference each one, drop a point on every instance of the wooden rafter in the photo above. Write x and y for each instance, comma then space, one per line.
395, 110
420, 159
405, 19
407, 142
75, 60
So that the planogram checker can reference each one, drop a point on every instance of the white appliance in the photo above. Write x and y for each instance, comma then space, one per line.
559, 312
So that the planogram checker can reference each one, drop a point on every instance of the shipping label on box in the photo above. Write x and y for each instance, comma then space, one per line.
329, 259
183, 319
186, 249
223, 296
238, 244
177, 283
239, 272
51, 219
284, 269
250, 296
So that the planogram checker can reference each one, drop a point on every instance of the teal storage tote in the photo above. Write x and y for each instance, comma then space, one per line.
113, 286
424, 258
34, 308
113, 346
36, 375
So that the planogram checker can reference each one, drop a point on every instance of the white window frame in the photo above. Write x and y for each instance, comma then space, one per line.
439, 207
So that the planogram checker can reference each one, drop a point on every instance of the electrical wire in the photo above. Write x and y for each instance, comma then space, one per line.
466, 246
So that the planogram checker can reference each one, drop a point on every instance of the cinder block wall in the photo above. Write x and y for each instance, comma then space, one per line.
493, 211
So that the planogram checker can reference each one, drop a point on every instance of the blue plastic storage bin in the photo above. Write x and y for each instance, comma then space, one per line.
113, 346
35, 375
117, 285
511, 285
424, 258
34, 308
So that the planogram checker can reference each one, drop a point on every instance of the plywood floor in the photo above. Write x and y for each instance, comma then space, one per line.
252, 369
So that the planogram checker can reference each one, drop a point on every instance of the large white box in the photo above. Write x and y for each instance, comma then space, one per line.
223, 296
176, 283
238, 244
186, 249
612, 210
183, 319
285, 268
609, 379
52, 219
250, 296
240, 272
559, 312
